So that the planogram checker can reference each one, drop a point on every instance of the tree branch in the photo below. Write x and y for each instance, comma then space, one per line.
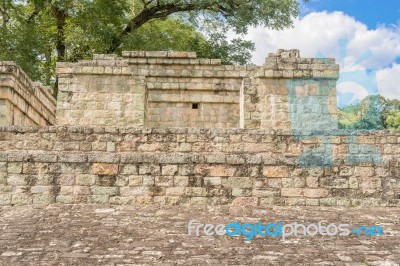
4, 14
32, 15
148, 14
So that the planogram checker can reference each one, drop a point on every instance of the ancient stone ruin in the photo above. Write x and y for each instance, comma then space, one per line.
169, 128
175, 89
23, 102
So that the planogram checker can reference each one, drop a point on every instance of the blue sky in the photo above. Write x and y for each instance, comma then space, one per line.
374, 14
368, 26
371, 12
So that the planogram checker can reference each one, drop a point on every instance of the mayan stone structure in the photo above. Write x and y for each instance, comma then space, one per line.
23, 102
128, 165
289, 92
168, 128
175, 89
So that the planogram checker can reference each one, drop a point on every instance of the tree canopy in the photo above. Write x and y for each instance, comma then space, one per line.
38, 33
372, 113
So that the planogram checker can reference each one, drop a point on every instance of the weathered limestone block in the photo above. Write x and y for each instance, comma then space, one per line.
316, 192
104, 169
246, 201
276, 171
22, 101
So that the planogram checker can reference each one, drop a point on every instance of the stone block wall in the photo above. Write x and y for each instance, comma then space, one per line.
154, 89
23, 102
184, 91
129, 165
176, 89
100, 92
292, 93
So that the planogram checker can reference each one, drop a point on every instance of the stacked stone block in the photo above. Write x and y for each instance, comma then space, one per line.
176, 89
23, 102
100, 92
290, 92
170, 89
129, 165
183, 91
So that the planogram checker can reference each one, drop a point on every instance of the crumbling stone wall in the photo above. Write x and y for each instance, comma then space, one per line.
130, 165
154, 163
176, 89
184, 91
290, 92
100, 92
23, 102
154, 89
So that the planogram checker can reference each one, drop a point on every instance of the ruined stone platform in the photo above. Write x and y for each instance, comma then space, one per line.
155, 235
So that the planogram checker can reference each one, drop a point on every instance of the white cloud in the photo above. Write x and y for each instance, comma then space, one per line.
389, 81
321, 32
358, 91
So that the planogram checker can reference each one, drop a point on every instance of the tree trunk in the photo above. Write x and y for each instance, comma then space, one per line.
4, 15
61, 16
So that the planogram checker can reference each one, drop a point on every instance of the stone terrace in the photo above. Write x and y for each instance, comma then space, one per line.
199, 166
177, 89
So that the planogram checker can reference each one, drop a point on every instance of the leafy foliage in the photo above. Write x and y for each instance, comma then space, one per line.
393, 120
38, 33
372, 113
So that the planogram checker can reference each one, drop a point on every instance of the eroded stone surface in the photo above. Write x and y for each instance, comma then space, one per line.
159, 89
22, 101
154, 235
71, 165
104, 169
